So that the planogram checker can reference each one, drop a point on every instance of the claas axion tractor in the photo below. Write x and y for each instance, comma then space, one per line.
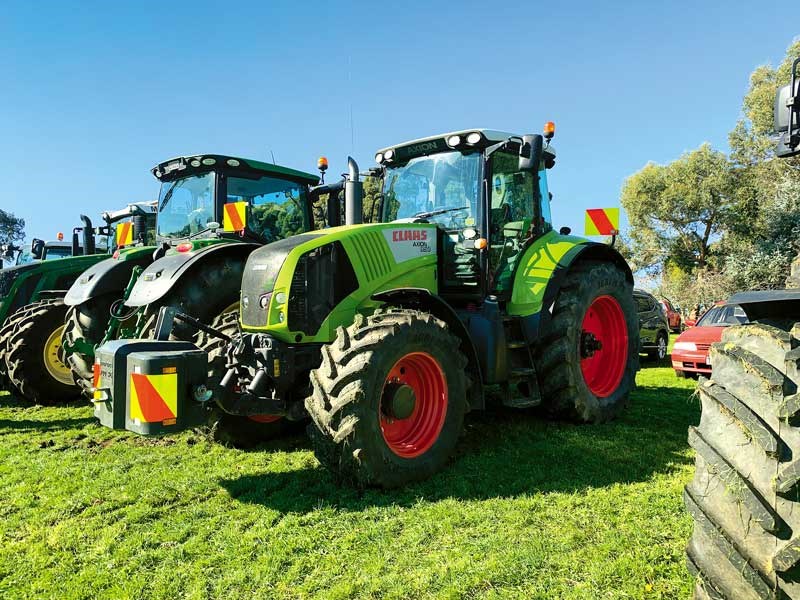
32, 305
386, 334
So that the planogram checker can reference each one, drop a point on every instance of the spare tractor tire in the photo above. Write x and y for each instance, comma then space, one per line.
33, 354
227, 429
389, 399
745, 495
588, 353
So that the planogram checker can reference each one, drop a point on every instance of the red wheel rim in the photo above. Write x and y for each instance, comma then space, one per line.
603, 346
265, 418
414, 435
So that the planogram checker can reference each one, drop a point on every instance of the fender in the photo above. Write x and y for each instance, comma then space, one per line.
544, 297
108, 276
162, 275
423, 299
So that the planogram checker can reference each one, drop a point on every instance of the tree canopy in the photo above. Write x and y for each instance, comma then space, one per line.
709, 224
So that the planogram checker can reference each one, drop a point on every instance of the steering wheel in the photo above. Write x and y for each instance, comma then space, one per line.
198, 217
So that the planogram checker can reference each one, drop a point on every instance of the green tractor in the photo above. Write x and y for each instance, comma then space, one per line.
32, 307
745, 494
212, 212
386, 334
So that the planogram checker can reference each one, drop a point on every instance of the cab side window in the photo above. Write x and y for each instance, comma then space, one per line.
512, 213
276, 207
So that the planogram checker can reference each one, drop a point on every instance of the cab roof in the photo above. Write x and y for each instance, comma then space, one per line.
438, 143
206, 162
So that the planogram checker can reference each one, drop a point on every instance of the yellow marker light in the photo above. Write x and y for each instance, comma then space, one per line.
60, 236
549, 130
167, 370
322, 163
481, 243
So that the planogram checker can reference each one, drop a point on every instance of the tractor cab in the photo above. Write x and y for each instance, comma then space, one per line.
483, 190
787, 115
211, 196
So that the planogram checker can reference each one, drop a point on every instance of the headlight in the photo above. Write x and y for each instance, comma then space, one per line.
685, 346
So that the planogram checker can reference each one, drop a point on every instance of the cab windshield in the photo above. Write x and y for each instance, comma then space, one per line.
186, 205
54, 252
441, 188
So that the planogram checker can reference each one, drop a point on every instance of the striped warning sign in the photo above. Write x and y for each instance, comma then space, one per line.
125, 233
154, 398
602, 221
235, 217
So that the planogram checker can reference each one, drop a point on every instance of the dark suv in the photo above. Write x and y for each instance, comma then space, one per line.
653, 325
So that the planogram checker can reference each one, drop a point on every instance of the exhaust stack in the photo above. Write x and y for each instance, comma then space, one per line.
353, 194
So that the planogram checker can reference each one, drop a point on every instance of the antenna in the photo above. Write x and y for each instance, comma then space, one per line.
272, 154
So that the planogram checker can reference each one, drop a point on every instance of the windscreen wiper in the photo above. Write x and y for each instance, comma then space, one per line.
440, 211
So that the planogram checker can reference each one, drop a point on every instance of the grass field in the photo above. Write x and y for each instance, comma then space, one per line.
528, 509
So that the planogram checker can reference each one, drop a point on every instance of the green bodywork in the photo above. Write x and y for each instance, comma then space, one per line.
27, 283
377, 270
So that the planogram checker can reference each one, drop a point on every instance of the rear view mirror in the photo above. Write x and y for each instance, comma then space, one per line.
37, 248
786, 116
530, 152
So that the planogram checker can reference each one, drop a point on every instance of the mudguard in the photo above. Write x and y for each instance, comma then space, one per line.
162, 275
542, 270
107, 276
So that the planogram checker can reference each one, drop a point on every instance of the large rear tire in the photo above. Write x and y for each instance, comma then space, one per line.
8, 328
745, 495
34, 358
388, 400
589, 351
227, 429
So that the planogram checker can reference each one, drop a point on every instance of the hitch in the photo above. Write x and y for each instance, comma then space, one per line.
166, 321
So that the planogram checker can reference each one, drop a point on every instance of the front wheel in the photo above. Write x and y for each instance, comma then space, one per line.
660, 353
389, 399
33, 354
589, 354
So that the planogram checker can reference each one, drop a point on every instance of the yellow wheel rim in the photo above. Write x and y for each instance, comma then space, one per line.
52, 358
231, 308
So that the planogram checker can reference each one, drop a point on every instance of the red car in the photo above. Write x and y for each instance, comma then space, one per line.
673, 316
690, 353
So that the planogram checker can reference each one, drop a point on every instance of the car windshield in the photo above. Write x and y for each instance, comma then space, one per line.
441, 188
723, 316
186, 205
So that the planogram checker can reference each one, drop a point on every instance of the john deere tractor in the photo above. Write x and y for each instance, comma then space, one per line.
32, 307
213, 211
745, 495
386, 334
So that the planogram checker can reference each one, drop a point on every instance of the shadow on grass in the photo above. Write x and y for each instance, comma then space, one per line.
509, 454
45, 424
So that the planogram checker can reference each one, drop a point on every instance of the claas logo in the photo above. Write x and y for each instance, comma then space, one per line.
403, 235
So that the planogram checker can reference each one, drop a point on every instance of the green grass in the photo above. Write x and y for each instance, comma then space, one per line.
528, 509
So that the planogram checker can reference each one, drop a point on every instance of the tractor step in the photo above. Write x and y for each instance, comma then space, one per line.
522, 373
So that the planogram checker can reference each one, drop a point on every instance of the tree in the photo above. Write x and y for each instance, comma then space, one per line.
12, 229
677, 210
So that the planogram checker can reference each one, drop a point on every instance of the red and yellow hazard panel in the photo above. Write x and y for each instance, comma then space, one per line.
602, 221
235, 216
154, 398
125, 234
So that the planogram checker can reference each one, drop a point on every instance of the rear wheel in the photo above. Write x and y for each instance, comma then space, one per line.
8, 328
34, 357
389, 399
589, 354
660, 352
745, 495
233, 430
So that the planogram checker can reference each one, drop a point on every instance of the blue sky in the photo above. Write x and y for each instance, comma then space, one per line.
96, 93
